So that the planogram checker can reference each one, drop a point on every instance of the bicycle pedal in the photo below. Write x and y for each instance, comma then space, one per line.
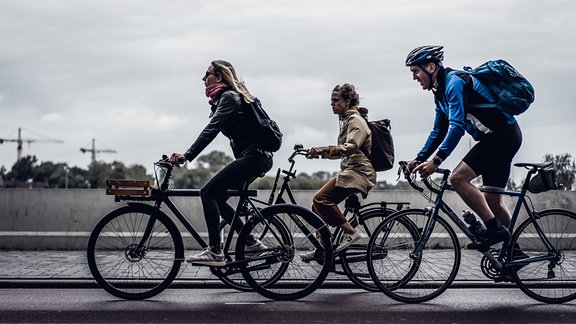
316, 259
504, 278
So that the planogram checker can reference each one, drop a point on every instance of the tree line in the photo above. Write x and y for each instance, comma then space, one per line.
28, 173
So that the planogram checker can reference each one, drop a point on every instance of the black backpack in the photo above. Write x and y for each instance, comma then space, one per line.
382, 156
267, 133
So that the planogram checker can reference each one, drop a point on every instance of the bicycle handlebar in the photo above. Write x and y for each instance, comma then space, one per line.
298, 150
164, 162
163, 177
408, 175
532, 168
411, 177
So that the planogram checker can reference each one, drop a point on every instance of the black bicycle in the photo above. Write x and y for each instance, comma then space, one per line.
352, 261
540, 257
135, 251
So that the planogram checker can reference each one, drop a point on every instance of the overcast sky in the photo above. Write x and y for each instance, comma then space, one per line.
128, 73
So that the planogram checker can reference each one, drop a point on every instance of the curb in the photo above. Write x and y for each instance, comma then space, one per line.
205, 284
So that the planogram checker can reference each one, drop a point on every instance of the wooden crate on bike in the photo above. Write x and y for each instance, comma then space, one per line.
141, 188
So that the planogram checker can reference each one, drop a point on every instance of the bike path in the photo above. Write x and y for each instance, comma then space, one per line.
58, 269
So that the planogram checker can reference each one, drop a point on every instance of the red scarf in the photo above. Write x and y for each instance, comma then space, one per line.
215, 90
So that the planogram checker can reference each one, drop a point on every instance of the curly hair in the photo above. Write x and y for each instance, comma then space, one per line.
348, 92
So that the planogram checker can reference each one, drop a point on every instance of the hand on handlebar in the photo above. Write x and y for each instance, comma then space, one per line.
407, 168
425, 169
315, 152
177, 159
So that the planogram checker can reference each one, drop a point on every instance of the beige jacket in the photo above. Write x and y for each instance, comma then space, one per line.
356, 171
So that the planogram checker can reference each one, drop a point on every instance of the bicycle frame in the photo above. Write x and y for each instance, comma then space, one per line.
163, 197
352, 204
147, 246
499, 263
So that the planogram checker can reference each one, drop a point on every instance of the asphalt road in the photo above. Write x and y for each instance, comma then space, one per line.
500, 305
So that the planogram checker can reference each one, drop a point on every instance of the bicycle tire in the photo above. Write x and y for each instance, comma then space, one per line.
280, 273
379, 252
124, 272
354, 259
407, 278
549, 281
234, 279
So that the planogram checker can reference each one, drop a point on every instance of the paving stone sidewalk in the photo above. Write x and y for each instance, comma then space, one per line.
60, 266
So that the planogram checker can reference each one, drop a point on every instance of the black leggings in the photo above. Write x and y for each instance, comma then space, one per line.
232, 176
492, 156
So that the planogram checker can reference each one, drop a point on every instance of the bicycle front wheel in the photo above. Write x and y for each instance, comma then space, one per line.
354, 259
120, 266
404, 276
279, 272
550, 274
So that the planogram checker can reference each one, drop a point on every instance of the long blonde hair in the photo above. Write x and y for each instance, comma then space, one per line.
226, 70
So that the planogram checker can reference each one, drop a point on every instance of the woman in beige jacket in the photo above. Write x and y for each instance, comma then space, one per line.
356, 172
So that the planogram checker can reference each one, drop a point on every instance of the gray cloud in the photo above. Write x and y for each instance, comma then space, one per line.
128, 73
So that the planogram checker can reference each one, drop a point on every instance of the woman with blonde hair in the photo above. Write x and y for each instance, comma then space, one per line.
228, 100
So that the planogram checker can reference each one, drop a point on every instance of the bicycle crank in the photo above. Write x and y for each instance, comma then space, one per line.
491, 268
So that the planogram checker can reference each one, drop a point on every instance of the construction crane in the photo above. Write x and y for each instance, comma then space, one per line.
21, 140
93, 150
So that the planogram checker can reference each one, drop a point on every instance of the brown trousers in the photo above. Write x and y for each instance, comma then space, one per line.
326, 200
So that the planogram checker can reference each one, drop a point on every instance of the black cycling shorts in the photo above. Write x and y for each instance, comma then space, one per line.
492, 156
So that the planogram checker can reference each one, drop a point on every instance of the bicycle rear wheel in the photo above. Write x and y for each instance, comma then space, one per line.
413, 278
279, 273
120, 267
552, 279
229, 276
354, 259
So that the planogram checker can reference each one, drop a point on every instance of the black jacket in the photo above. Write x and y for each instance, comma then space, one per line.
229, 116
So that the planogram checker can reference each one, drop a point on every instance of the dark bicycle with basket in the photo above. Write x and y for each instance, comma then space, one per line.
136, 250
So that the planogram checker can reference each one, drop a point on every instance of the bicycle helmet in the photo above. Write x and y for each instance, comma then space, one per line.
425, 54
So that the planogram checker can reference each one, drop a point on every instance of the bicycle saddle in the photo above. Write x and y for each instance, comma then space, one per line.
540, 165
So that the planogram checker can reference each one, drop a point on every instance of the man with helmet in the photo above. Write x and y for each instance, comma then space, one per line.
498, 134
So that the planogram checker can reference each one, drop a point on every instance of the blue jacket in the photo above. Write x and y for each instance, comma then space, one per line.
455, 90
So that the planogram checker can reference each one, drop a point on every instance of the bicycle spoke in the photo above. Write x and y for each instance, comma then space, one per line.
407, 277
354, 259
279, 272
121, 269
553, 279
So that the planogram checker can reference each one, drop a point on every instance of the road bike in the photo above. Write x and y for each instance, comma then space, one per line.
540, 257
135, 251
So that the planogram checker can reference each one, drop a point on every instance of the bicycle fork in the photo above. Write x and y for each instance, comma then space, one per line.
138, 251
426, 231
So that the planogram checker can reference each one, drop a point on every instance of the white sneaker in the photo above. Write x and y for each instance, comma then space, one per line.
209, 258
347, 240
313, 255
309, 256
255, 249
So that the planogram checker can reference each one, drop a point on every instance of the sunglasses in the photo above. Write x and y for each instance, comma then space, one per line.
208, 73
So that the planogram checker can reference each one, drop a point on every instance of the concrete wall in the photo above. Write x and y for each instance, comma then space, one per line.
39, 219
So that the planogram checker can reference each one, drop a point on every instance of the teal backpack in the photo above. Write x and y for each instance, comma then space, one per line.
514, 92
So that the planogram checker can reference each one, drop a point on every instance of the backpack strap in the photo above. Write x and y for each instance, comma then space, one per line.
472, 99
